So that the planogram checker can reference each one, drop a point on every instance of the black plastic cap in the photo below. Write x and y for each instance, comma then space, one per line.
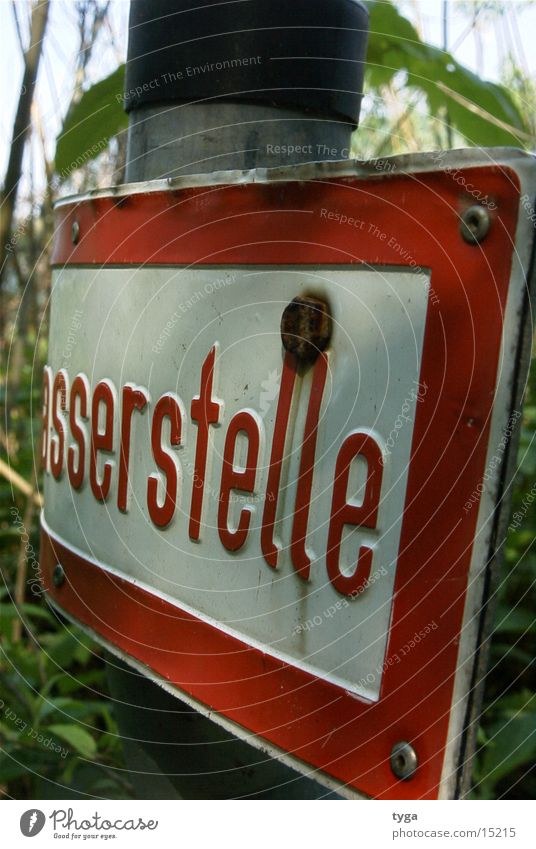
307, 54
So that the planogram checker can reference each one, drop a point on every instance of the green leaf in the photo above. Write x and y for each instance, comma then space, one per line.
517, 620
10, 769
8, 612
512, 744
66, 647
91, 123
94, 678
74, 709
8, 732
77, 738
483, 112
9, 534
520, 701
502, 650
19, 762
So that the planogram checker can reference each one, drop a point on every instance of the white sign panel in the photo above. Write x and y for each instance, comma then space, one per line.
159, 328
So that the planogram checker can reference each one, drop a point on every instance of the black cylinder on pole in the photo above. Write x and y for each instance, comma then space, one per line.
291, 53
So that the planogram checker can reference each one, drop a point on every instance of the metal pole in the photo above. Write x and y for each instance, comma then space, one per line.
228, 86
240, 85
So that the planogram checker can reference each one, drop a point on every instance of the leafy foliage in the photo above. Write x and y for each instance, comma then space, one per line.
53, 693
483, 112
506, 758
58, 736
55, 741
91, 123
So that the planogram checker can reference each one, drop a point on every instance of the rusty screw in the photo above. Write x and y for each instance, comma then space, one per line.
58, 576
474, 224
306, 328
404, 760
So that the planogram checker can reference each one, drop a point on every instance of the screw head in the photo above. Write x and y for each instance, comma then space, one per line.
75, 232
475, 223
404, 760
58, 575
306, 328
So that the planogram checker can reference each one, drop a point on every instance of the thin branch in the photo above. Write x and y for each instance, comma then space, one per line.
22, 571
17, 27
394, 128
21, 124
20, 483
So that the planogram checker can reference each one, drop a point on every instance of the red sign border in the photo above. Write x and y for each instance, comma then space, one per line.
313, 720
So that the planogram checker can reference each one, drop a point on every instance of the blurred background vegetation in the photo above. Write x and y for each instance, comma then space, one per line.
58, 737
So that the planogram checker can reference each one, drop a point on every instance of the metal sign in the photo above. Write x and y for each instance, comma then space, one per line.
271, 415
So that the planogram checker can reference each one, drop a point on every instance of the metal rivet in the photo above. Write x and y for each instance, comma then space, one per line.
58, 575
475, 223
75, 232
404, 760
306, 328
